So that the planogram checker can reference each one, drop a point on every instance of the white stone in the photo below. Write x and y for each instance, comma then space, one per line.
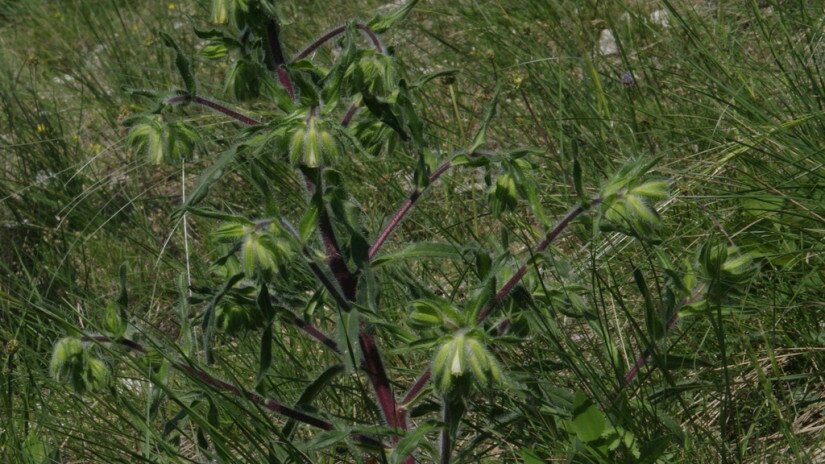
660, 17
607, 43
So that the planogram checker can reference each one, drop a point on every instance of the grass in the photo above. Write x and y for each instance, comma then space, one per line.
729, 94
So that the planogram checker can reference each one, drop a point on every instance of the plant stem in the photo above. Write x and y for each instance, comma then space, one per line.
349, 115
403, 210
346, 279
276, 61
640, 362
374, 366
239, 392
220, 108
315, 333
376, 42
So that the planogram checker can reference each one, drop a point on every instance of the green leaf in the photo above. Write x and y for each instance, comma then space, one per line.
577, 182
265, 307
481, 134
653, 318
209, 176
422, 172
382, 22
312, 391
208, 323
347, 338
309, 222
588, 421
530, 457
422, 250
407, 445
447, 73
384, 112
183, 64
326, 439
113, 323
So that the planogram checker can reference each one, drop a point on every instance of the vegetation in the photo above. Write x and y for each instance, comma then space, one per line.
499, 231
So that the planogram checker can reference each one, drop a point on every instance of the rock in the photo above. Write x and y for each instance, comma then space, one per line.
660, 18
607, 43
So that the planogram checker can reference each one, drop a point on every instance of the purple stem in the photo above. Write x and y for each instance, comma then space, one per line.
220, 108
403, 210
276, 60
315, 333
376, 42
346, 279
505, 290
645, 356
349, 115
377, 374
239, 392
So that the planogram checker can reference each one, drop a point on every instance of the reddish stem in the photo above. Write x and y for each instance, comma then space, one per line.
403, 210
346, 279
640, 362
349, 115
276, 61
220, 108
239, 392
376, 42
505, 290
377, 374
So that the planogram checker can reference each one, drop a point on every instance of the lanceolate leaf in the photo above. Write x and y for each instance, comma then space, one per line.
183, 63
208, 323
422, 250
481, 134
654, 320
312, 391
381, 23
211, 175
410, 442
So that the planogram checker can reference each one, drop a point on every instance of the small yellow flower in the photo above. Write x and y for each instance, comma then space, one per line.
96, 147
41, 128
172, 7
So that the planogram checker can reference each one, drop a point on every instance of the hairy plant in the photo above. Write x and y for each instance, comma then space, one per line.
324, 117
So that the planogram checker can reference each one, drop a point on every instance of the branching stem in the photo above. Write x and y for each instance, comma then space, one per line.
226, 387
376, 42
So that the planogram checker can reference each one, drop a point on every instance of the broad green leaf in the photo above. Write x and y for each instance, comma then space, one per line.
208, 323
325, 439
309, 222
588, 421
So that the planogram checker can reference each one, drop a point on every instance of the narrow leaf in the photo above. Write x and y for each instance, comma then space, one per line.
183, 63
381, 23
481, 134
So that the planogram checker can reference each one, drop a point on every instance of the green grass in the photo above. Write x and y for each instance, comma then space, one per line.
729, 94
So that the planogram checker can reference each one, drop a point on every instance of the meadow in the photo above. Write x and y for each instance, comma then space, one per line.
610, 245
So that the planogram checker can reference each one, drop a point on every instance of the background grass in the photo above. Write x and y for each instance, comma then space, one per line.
730, 94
